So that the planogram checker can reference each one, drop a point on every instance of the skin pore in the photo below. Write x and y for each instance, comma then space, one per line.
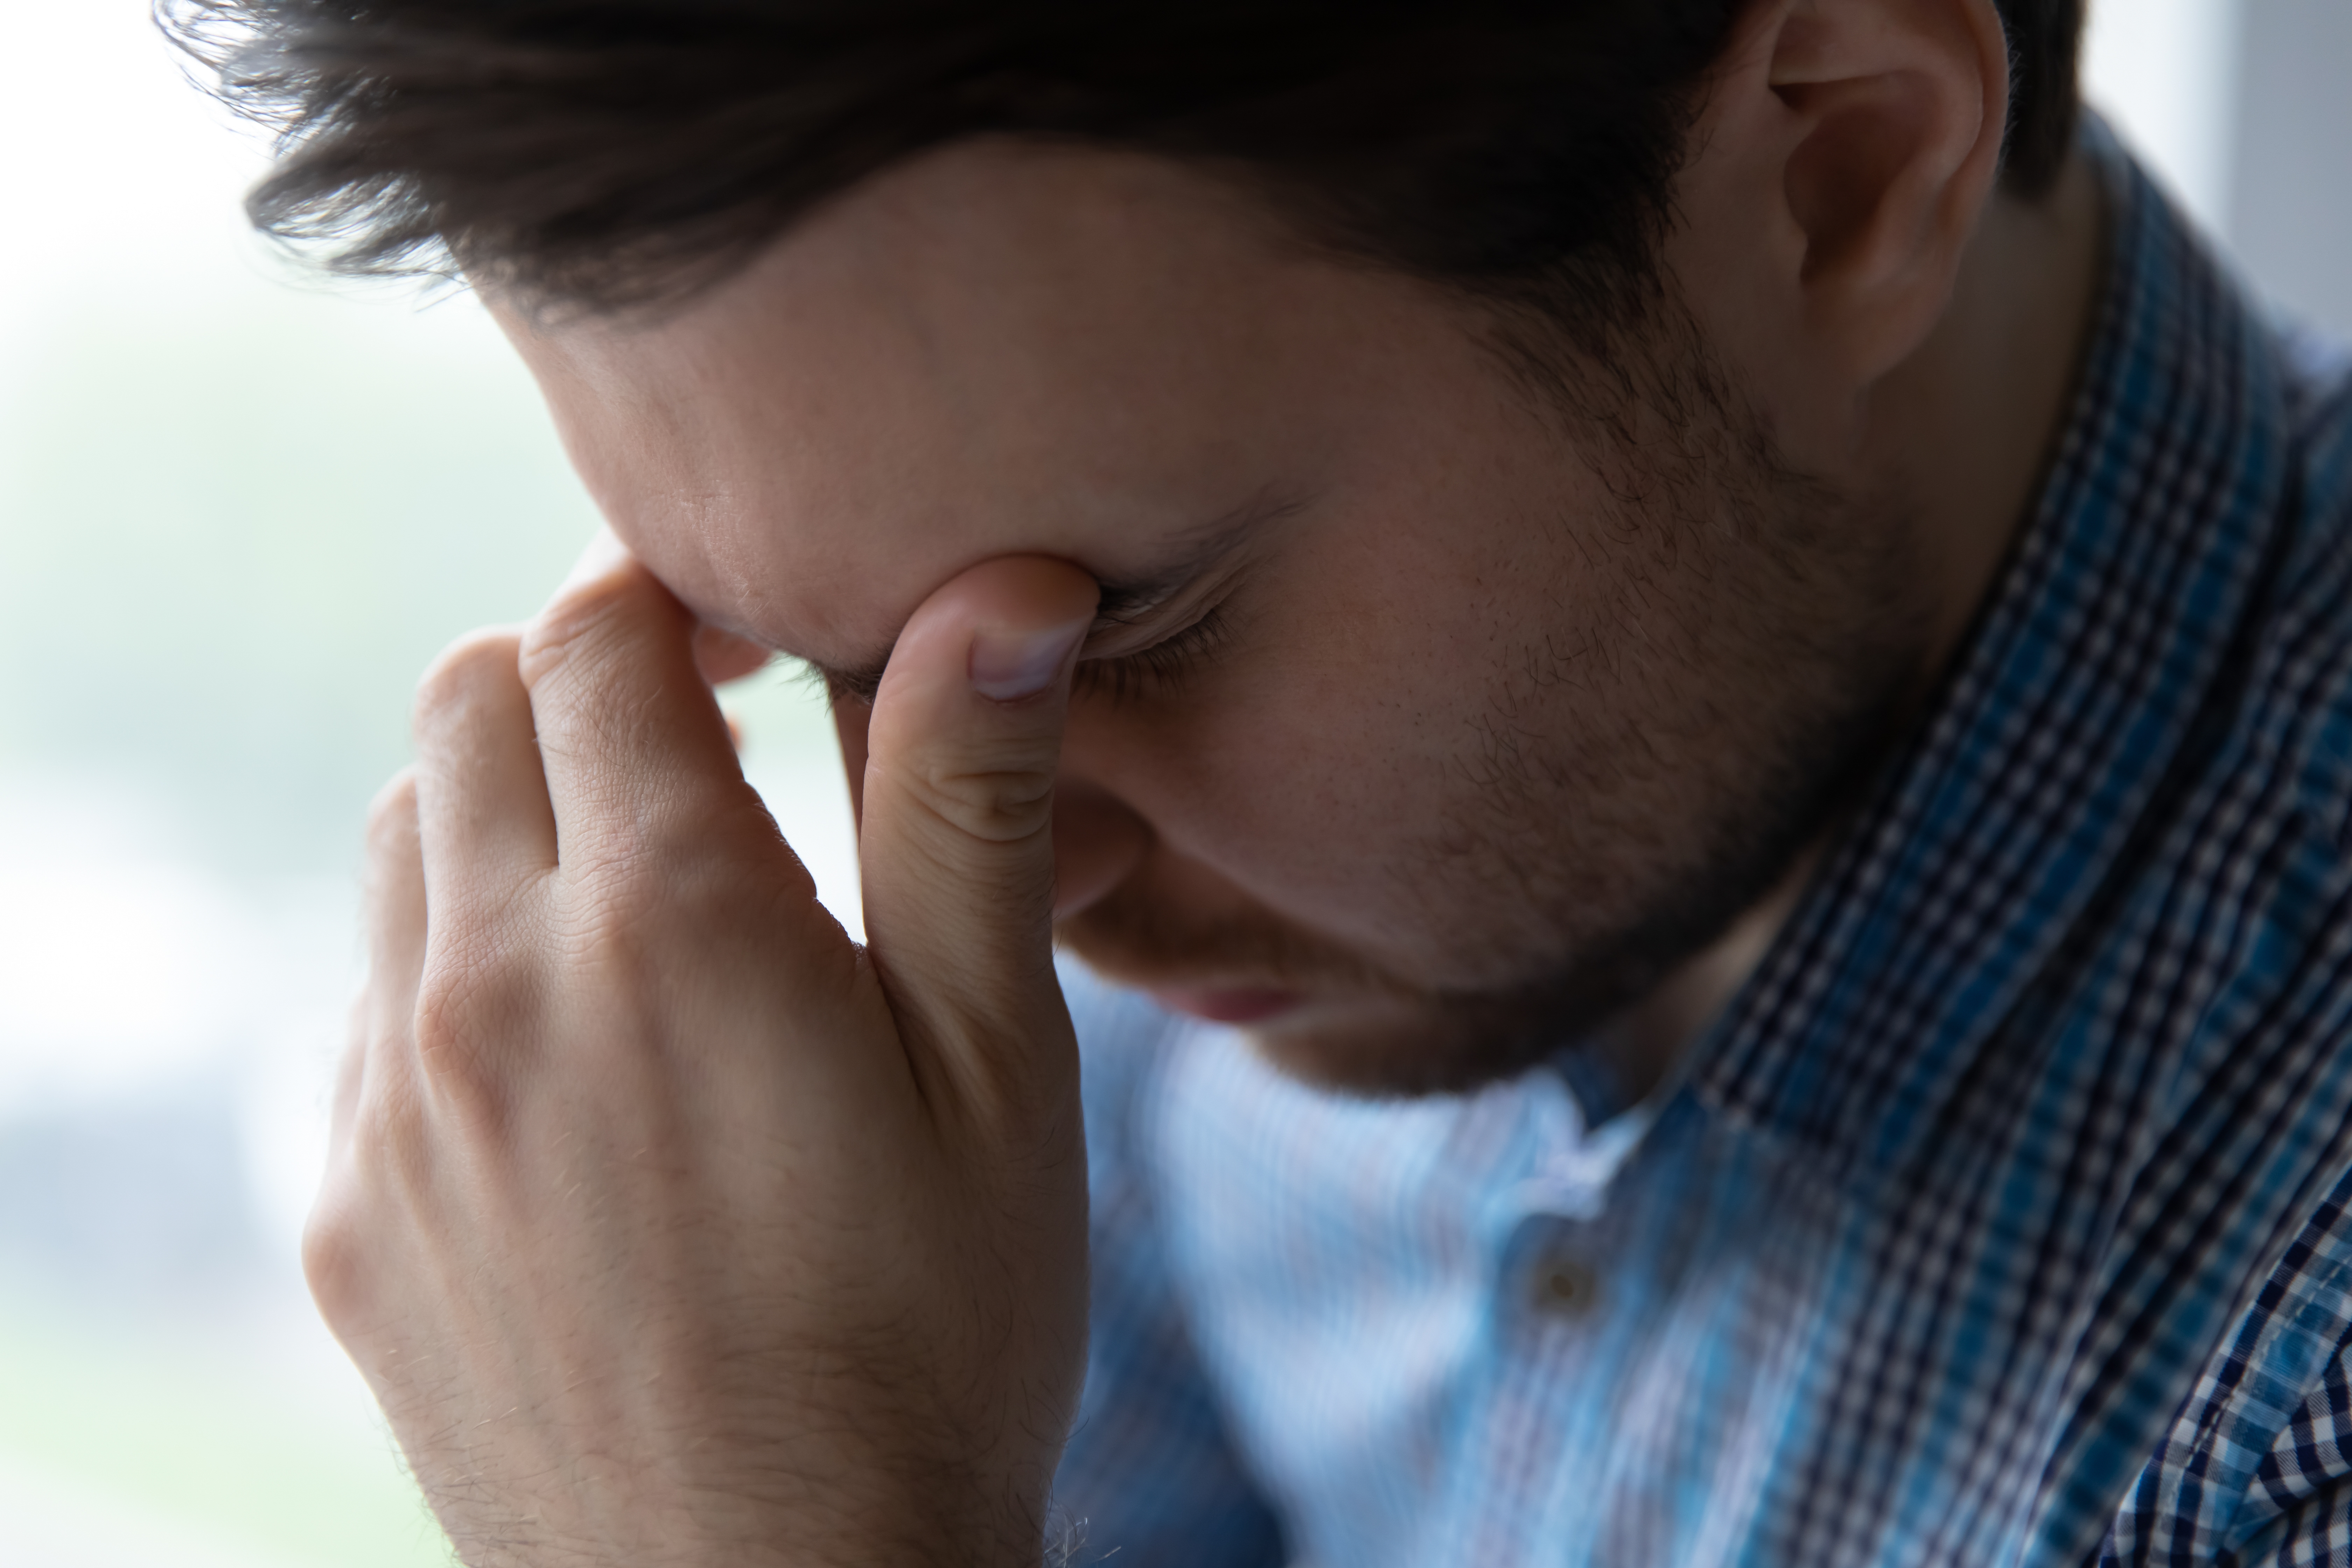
1427, 720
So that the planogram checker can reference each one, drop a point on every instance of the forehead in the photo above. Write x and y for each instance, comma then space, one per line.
995, 348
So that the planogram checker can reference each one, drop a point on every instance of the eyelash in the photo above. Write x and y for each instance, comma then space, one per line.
1161, 670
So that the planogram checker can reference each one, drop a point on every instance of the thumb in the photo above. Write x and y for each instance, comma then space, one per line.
957, 842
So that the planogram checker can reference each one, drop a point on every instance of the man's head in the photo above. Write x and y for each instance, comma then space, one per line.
1468, 410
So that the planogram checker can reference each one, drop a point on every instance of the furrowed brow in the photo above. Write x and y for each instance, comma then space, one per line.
1125, 600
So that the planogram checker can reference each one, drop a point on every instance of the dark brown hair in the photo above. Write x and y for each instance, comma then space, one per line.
608, 152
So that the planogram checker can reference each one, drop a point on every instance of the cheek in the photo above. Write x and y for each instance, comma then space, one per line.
1301, 793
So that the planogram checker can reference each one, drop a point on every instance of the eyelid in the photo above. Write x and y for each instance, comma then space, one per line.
1160, 667
1159, 651
1126, 619
1113, 627
1150, 662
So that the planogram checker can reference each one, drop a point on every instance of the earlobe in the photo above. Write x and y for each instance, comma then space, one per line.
1899, 110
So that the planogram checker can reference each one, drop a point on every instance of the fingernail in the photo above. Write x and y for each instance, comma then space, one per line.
1006, 665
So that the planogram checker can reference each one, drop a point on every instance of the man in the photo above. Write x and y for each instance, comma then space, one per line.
1702, 657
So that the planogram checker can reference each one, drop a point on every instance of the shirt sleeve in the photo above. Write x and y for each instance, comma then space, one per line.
1149, 1480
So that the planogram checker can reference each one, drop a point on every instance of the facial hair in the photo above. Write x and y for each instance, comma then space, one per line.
1732, 655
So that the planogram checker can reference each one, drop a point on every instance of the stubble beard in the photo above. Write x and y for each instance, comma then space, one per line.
1619, 810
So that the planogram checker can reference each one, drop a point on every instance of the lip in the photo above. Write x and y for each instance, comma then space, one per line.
1237, 1005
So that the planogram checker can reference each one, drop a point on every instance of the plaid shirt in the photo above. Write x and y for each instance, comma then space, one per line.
2006, 1216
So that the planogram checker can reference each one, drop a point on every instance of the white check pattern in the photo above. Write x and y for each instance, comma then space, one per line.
2002, 1221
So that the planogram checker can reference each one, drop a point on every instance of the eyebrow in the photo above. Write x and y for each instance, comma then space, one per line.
1125, 600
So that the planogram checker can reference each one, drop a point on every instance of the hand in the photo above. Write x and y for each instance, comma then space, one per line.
669, 1225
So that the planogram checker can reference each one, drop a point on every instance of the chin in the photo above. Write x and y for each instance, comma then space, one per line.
1387, 1050
1373, 1047
1333, 1021
1367, 1036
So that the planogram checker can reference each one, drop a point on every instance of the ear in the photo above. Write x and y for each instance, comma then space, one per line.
1856, 143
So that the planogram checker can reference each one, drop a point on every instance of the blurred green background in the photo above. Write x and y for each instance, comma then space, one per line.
240, 511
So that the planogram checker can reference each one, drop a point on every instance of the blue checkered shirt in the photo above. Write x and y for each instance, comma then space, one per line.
2004, 1219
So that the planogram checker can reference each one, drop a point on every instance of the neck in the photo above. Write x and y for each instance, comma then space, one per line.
1964, 430
1963, 433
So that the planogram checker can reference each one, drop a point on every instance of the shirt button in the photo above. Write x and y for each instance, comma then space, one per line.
1567, 1289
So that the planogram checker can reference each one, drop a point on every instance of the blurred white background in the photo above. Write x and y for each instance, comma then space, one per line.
238, 512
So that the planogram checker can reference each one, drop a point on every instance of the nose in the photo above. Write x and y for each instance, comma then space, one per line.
1098, 840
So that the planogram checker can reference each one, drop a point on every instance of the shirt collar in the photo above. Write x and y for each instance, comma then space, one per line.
1990, 836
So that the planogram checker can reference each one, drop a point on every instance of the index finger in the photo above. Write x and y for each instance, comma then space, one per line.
635, 750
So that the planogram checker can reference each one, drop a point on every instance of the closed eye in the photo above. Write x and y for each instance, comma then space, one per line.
1161, 670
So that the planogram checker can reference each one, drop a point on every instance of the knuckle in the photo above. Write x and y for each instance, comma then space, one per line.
380, 1168
464, 672
608, 936
334, 1257
462, 1017
670, 848
999, 796
601, 925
